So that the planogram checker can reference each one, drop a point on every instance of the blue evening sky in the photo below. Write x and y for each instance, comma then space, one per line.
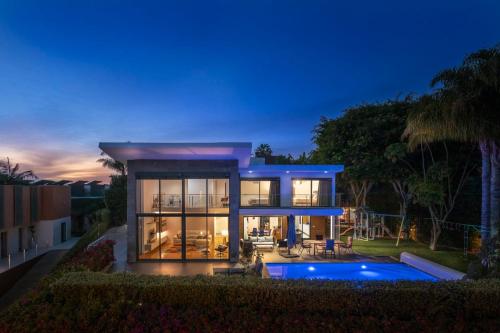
73, 73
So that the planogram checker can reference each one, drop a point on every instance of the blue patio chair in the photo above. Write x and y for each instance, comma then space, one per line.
254, 232
261, 232
330, 247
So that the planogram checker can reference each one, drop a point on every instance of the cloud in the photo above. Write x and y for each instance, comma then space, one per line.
56, 164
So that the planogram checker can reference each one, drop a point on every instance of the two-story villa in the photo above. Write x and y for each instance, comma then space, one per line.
196, 201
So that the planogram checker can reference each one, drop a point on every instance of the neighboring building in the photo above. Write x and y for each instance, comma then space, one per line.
32, 215
196, 201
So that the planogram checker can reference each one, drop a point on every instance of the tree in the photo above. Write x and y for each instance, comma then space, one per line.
112, 164
466, 107
263, 150
398, 175
11, 175
440, 181
115, 199
358, 139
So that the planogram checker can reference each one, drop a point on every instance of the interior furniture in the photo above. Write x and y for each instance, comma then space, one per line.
262, 241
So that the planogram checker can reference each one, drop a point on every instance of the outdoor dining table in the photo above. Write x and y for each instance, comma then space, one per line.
315, 243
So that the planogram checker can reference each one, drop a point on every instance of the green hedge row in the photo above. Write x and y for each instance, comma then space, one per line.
89, 302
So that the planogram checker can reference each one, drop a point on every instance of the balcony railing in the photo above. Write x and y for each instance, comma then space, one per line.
256, 200
193, 201
314, 200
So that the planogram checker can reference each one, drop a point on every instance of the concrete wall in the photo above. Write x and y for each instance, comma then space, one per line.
44, 207
178, 168
48, 232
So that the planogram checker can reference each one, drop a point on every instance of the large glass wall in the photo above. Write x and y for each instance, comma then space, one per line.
159, 237
260, 192
312, 192
166, 207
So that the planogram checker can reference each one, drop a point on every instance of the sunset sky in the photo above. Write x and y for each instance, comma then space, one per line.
74, 73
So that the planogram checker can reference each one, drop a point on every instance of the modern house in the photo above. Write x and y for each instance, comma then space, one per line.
33, 215
197, 201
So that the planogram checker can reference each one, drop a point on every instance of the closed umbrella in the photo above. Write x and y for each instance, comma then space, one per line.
291, 234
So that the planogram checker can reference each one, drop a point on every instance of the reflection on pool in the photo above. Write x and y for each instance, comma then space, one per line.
347, 271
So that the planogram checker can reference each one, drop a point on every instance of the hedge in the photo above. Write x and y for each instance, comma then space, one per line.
126, 302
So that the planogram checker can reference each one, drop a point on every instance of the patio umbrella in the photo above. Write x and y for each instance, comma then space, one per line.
291, 234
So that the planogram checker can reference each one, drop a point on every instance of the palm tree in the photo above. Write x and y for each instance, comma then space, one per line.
466, 108
112, 164
10, 174
263, 150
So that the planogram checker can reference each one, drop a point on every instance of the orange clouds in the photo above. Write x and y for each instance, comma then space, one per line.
58, 164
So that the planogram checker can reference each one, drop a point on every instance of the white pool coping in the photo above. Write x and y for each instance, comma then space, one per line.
430, 267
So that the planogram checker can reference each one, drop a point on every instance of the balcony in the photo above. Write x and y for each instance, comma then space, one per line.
256, 200
314, 200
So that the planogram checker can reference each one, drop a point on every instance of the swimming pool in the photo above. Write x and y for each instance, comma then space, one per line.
347, 271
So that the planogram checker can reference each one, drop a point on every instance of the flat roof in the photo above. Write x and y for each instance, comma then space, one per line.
316, 169
126, 151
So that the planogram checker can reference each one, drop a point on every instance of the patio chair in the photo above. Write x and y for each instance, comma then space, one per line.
282, 244
306, 246
221, 249
347, 246
330, 247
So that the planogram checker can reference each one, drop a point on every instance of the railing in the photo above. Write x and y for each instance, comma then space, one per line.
314, 200
174, 201
207, 200
260, 200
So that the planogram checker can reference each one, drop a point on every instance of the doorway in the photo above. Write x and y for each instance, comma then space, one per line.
3, 244
63, 232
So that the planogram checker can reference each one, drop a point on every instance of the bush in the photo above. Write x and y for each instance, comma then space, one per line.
103, 222
90, 302
94, 258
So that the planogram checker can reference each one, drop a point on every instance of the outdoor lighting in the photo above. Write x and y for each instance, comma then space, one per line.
325, 171
250, 171
363, 266
287, 171
311, 268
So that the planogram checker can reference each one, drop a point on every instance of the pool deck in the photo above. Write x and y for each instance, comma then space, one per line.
119, 235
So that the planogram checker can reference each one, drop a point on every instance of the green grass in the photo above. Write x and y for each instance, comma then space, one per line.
387, 247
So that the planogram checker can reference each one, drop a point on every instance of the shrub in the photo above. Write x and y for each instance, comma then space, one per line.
94, 258
103, 222
90, 302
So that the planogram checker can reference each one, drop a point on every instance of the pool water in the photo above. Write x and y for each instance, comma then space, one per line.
347, 271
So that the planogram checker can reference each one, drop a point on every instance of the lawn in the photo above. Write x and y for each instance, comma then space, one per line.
387, 247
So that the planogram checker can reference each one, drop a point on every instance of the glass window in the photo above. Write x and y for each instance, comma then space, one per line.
160, 235
218, 240
148, 196
171, 196
249, 192
218, 196
316, 192
197, 238
196, 195
260, 193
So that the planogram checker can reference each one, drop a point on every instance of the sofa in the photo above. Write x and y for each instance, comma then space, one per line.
262, 241
194, 238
